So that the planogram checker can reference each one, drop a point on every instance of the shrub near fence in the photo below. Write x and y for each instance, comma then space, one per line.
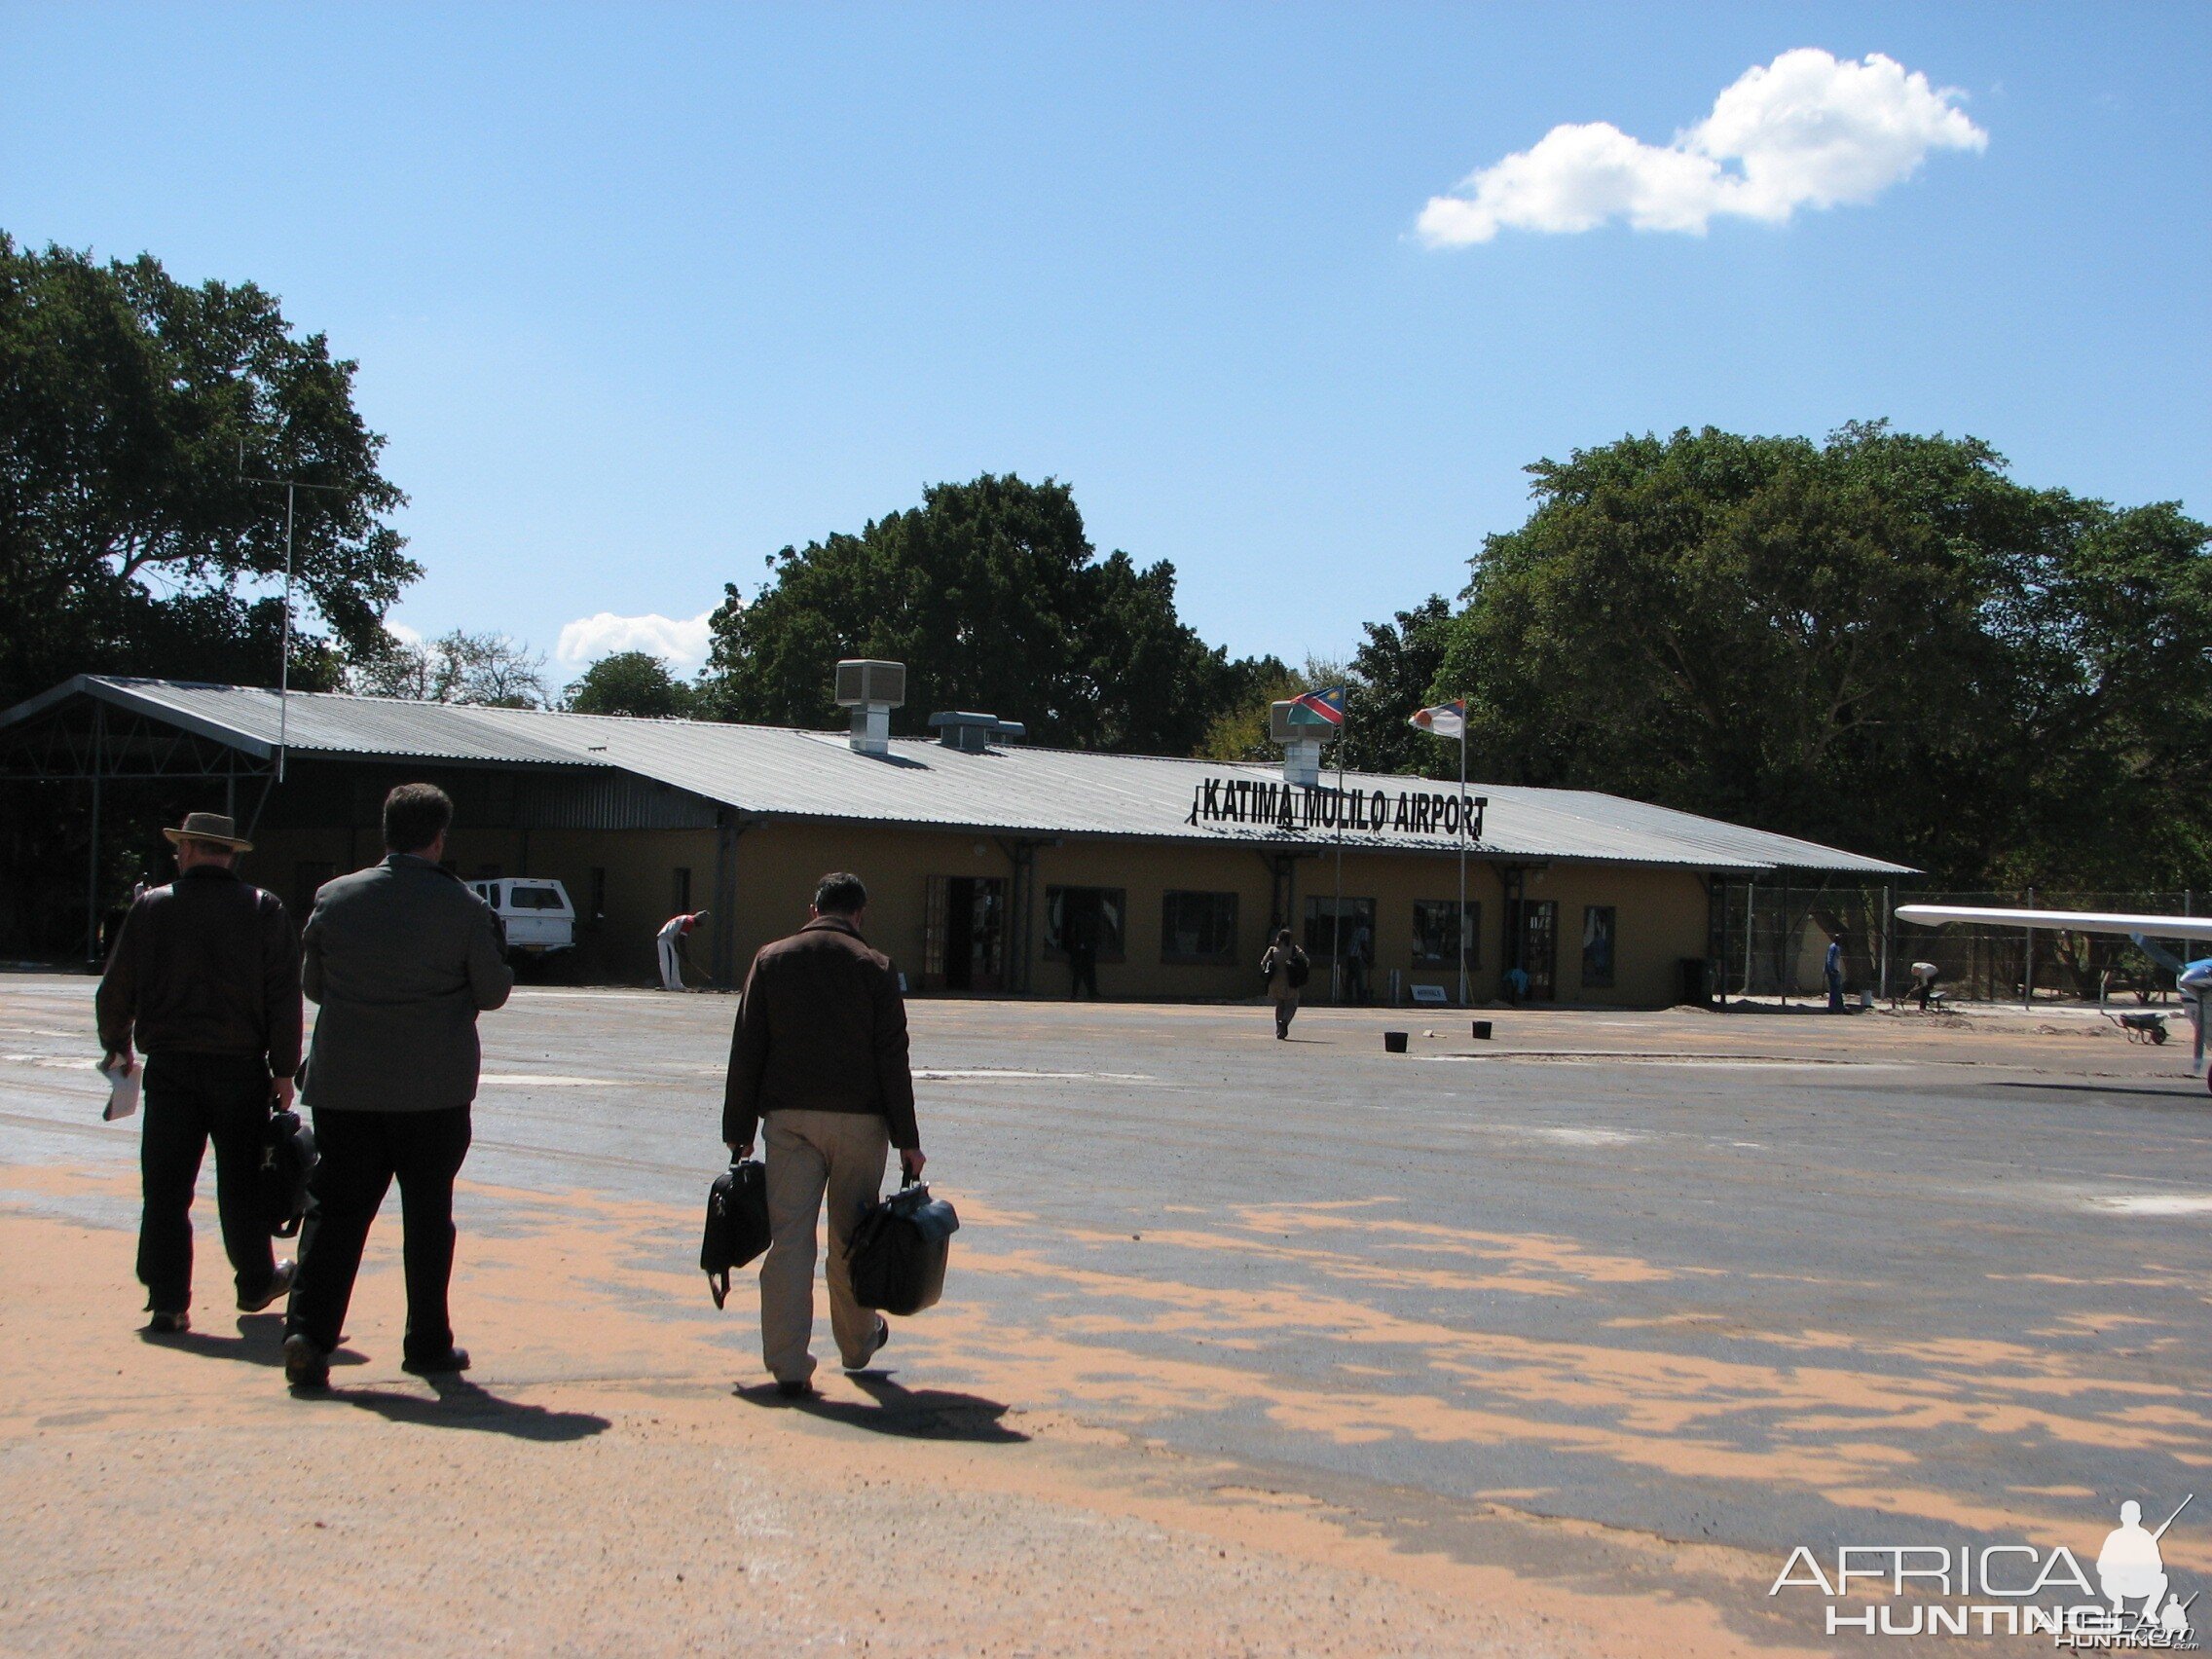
1769, 940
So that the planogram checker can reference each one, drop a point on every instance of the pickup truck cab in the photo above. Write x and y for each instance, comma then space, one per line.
535, 912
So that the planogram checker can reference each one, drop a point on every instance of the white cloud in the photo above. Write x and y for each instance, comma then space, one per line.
1807, 130
681, 642
401, 632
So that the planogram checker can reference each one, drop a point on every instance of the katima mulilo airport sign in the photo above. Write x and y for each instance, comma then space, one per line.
1292, 807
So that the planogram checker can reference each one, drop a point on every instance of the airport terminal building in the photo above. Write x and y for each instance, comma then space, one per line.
980, 853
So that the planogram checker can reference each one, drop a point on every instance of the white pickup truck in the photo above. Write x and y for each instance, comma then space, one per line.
540, 920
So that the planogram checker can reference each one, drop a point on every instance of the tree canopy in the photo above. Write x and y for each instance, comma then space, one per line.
126, 527
992, 596
630, 682
1884, 642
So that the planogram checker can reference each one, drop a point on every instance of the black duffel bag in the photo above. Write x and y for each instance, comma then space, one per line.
287, 1163
897, 1254
737, 1224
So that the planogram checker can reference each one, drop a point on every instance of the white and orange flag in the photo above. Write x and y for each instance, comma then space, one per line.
1444, 719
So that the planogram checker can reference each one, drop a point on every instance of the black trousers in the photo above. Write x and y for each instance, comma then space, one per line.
362, 1152
1083, 972
191, 1099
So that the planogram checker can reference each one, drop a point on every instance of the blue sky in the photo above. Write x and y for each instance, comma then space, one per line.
642, 294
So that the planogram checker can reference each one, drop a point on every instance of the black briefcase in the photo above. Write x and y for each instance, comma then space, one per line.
737, 1224
898, 1255
287, 1163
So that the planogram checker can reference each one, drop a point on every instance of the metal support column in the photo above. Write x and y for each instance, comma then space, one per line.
722, 972
92, 866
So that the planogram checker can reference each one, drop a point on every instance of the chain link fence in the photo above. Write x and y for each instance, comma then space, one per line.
1771, 940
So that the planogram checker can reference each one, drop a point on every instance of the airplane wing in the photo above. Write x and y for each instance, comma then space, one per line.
2072, 921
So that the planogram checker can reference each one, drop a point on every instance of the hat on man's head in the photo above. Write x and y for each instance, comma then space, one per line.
211, 827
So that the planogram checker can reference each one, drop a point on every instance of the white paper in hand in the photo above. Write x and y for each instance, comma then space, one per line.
121, 1092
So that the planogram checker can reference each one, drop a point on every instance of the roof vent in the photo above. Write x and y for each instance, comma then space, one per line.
974, 733
1300, 744
871, 689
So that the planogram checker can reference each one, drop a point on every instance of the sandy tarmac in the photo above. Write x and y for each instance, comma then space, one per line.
1568, 1335
598, 1488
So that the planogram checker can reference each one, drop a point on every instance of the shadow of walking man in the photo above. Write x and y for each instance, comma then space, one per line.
462, 1404
911, 1413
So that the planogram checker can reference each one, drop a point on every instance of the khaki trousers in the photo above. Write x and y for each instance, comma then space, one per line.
812, 1154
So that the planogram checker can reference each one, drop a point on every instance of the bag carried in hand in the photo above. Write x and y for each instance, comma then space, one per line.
1299, 969
737, 1224
287, 1161
898, 1255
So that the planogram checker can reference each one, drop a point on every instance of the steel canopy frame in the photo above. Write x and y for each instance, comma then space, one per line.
121, 744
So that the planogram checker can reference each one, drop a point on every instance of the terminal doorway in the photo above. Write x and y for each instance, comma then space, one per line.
1539, 948
963, 934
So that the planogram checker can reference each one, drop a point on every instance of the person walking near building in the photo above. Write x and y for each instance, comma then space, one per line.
818, 1066
204, 981
1081, 941
673, 932
1831, 967
402, 957
1285, 968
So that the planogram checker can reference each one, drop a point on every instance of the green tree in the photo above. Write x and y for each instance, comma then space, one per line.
1242, 731
994, 599
126, 398
1883, 642
630, 682
1393, 673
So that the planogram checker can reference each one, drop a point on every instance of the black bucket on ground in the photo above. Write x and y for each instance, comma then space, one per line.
1482, 1030
1395, 1042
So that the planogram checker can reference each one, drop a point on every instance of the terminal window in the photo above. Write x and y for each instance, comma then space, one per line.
1197, 927
1439, 925
1598, 945
1085, 915
1328, 917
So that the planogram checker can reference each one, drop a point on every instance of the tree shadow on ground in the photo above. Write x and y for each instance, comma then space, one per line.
462, 1404
909, 1414
260, 1341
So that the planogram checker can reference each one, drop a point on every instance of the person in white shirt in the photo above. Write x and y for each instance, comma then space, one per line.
671, 941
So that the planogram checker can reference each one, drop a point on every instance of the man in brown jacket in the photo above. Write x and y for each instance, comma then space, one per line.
820, 1053
205, 982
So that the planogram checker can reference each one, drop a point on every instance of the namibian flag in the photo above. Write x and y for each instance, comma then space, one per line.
1325, 707
1446, 720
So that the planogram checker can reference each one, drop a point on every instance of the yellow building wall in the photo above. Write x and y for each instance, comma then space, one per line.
1661, 915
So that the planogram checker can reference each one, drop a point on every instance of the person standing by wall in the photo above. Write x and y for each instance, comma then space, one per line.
205, 980
818, 1064
1359, 955
1285, 968
670, 939
402, 957
1080, 939
1831, 967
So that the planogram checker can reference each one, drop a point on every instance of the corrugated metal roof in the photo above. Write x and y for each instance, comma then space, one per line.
773, 771
322, 723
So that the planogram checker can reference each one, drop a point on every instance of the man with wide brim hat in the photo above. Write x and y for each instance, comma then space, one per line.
210, 830
204, 981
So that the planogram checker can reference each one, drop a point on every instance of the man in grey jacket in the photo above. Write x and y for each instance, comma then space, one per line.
402, 957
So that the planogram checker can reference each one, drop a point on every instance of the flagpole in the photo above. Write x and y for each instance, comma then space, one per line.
1337, 922
1460, 928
